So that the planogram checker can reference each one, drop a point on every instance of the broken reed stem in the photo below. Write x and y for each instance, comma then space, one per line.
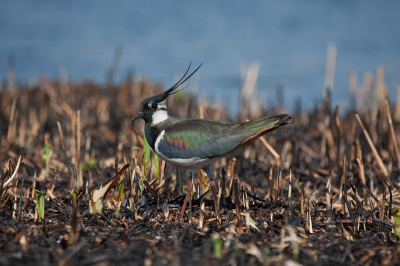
323, 129
359, 159
116, 165
14, 173
34, 186
310, 227
271, 184
237, 202
20, 200
232, 167
343, 184
138, 137
302, 199
290, 192
397, 106
78, 148
201, 215
246, 201
201, 112
73, 137
390, 192
375, 152
15, 205
328, 195
230, 172
361, 172
190, 208
276, 181
61, 135
271, 150
10, 133
338, 128
162, 170
396, 148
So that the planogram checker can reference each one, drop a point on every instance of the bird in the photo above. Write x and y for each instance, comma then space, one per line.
194, 144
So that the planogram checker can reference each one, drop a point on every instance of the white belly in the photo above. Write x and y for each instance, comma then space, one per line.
192, 163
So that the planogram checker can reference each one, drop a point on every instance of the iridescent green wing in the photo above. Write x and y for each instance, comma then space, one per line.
189, 138
198, 138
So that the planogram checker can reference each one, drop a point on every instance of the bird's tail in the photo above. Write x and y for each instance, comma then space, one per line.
259, 127
268, 122
283, 119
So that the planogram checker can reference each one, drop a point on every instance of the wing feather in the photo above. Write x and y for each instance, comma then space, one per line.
195, 138
188, 138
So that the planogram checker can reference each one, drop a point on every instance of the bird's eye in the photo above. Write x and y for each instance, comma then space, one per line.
153, 106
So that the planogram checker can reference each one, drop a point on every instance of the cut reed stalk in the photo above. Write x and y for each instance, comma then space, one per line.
353, 89
14, 172
246, 202
290, 193
302, 199
343, 183
338, 129
397, 108
393, 135
375, 152
271, 150
73, 137
361, 173
237, 202
78, 149
61, 135
201, 112
201, 214
10, 132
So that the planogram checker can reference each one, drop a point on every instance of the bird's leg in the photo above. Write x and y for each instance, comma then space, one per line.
210, 173
189, 190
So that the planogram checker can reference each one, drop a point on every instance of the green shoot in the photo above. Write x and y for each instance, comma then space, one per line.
117, 209
98, 206
146, 155
47, 151
217, 245
88, 165
40, 204
141, 185
396, 215
74, 197
121, 191
253, 223
156, 167
120, 198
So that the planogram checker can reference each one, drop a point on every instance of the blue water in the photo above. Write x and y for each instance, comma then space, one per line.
288, 38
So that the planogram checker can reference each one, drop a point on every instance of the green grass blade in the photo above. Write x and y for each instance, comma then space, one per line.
146, 156
156, 167
40, 202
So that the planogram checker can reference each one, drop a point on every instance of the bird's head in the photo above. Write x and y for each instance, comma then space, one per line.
154, 110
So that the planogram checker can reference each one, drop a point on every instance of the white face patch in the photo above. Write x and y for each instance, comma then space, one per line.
162, 104
159, 116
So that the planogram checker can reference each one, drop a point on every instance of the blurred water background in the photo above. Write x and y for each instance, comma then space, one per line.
288, 39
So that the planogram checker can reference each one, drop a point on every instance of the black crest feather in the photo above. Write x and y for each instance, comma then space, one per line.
174, 88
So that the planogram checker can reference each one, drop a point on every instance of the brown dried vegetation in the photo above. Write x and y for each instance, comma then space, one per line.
322, 190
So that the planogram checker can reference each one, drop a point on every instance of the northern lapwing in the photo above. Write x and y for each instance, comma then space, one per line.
195, 144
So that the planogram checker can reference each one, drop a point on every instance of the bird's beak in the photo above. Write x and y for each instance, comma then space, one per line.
139, 115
